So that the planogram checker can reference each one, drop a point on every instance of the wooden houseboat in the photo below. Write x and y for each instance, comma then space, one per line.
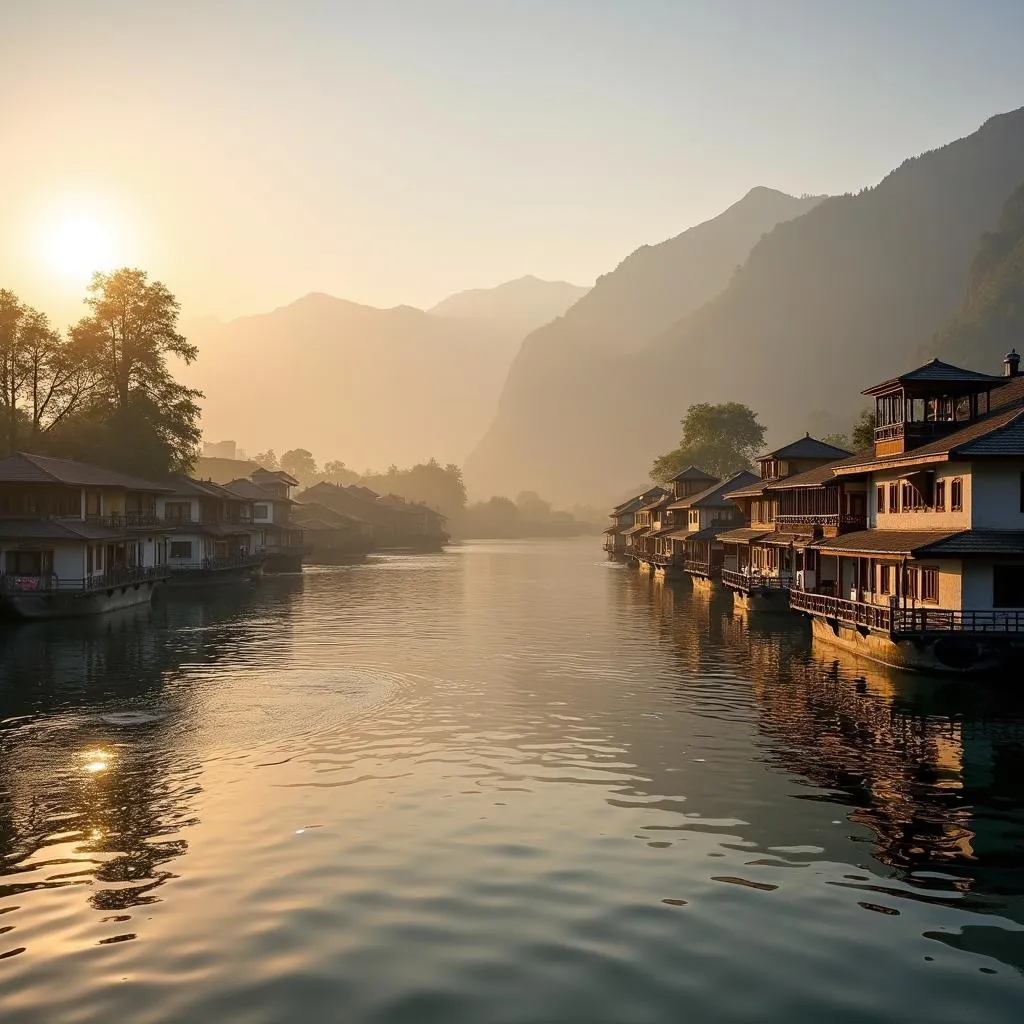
651, 522
275, 536
214, 534
623, 518
77, 539
935, 580
333, 538
783, 510
634, 537
708, 513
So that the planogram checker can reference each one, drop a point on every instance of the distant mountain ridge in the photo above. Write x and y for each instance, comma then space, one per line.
650, 289
523, 304
826, 304
365, 385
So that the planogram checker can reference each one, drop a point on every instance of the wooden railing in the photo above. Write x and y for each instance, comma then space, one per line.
823, 519
753, 581
918, 621
13, 584
909, 622
213, 564
857, 613
696, 566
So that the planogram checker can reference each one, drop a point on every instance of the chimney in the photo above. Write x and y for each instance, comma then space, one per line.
1011, 364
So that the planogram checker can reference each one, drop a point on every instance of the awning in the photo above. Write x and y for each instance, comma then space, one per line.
634, 530
741, 536
784, 540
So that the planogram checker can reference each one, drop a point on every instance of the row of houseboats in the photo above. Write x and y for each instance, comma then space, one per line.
911, 554
79, 539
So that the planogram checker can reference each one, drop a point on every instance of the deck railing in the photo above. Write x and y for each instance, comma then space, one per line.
127, 520
13, 584
910, 622
917, 621
753, 581
216, 564
856, 613
815, 519
698, 567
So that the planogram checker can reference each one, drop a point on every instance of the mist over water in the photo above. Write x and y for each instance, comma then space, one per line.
507, 783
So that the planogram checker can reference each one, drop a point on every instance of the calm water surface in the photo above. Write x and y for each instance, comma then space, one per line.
507, 783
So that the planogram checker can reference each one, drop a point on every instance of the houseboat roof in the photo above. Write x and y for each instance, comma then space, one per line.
253, 492
634, 530
312, 512
201, 488
22, 468
806, 447
883, 542
663, 500
692, 473
271, 475
998, 433
709, 532
744, 535
927, 543
935, 372
61, 529
812, 477
715, 497
632, 504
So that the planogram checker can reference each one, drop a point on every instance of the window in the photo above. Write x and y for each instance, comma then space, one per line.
930, 585
1007, 586
181, 549
88, 559
956, 494
910, 583
260, 511
940, 495
885, 579
880, 499
178, 511
769, 511
894, 497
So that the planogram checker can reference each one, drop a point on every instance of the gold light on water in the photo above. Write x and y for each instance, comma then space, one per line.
96, 761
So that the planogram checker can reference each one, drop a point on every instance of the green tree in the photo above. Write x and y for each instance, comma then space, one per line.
721, 439
127, 337
336, 472
301, 464
862, 436
267, 459
837, 441
43, 376
533, 507
440, 487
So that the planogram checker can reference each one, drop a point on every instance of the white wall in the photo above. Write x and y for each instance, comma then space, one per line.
996, 499
925, 519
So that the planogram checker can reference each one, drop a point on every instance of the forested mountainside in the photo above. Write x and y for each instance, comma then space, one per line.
991, 320
626, 308
825, 305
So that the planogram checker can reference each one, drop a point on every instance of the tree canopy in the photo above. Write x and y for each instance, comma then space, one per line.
104, 393
721, 439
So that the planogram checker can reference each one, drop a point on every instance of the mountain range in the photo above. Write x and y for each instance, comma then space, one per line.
365, 385
834, 297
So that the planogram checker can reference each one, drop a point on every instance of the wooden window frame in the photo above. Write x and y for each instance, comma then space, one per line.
940, 496
880, 498
956, 494
885, 579
929, 573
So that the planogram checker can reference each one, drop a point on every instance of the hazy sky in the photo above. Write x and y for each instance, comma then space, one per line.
249, 152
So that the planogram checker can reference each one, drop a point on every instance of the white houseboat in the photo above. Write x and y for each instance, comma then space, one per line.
77, 539
935, 580
275, 535
213, 534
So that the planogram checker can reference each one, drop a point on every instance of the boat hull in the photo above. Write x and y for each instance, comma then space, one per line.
186, 578
56, 605
949, 655
774, 601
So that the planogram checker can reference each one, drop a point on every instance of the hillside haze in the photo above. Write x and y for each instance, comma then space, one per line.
369, 386
558, 384
520, 305
826, 304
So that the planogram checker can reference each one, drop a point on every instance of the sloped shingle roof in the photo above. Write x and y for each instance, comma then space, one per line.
22, 468
715, 497
807, 448
938, 372
694, 473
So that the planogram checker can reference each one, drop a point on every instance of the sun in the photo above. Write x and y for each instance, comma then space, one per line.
78, 243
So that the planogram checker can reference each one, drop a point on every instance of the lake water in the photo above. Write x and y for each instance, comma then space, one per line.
508, 783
